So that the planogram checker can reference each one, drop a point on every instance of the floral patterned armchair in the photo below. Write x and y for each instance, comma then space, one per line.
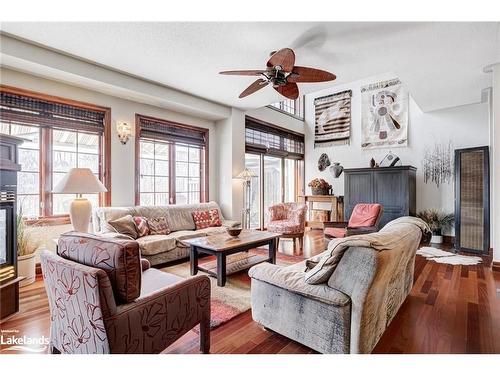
288, 220
104, 299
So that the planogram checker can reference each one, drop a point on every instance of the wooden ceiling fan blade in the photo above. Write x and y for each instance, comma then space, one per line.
243, 72
290, 90
304, 74
284, 57
256, 86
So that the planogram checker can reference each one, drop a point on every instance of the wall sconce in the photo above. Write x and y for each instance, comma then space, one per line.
124, 131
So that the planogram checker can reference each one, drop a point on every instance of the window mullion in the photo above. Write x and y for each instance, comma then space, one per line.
171, 163
46, 172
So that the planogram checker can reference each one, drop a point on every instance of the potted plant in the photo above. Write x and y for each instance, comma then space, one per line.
320, 187
26, 248
437, 221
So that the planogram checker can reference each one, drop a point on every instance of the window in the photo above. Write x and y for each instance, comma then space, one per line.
28, 190
291, 107
61, 134
266, 138
73, 149
276, 156
172, 162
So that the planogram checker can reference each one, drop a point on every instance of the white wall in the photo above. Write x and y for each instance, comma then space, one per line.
464, 126
231, 153
122, 156
495, 163
231, 161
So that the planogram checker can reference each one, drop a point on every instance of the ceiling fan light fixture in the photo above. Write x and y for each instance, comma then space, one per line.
282, 73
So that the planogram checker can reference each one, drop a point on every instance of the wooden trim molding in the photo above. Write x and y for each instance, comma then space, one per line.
46, 160
49, 221
52, 98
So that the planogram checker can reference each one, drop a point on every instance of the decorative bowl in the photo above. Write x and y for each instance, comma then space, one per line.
234, 232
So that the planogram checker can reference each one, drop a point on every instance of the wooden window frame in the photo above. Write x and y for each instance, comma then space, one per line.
46, 155
204, 159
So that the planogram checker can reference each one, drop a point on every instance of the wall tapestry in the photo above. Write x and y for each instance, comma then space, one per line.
384, 115
438, 164
332, 119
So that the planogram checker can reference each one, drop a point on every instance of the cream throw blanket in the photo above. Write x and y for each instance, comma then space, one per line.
395, 234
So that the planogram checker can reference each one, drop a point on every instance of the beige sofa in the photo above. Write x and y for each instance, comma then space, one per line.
161, 248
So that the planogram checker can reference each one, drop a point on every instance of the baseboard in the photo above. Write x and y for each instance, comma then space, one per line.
495, 266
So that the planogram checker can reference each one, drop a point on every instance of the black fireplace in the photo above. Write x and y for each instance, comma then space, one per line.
9, 280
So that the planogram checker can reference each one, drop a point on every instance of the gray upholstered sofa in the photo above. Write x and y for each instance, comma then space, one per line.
161, 248
350, 312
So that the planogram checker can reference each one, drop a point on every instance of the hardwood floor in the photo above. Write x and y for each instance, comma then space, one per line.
451, 309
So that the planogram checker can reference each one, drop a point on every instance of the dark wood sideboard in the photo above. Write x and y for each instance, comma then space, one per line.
393, 187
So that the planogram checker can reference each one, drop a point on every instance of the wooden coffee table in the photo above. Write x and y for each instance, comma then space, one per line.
223, 246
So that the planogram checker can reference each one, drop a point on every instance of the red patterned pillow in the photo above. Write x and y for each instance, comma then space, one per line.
201, 219
141, 225
205, 219
158, 225
215, 220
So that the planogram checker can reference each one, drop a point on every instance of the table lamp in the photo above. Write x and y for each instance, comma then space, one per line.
80, 181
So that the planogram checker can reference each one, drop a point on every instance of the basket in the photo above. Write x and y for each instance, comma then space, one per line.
320, 191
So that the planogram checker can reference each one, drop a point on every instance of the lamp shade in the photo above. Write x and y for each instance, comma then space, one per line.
79, 181
246, 174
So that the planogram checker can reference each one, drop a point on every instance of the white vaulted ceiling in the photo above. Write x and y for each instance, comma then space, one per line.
441, 63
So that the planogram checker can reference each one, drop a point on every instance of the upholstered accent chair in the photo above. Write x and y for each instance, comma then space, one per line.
104, 298
289, 221
364, 219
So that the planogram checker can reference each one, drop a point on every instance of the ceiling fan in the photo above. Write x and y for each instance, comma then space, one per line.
282, 73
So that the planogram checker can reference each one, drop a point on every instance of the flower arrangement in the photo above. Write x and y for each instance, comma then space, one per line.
320, 186
437, 220
319, 183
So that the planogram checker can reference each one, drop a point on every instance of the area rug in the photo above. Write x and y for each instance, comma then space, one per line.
234, 298
441, 256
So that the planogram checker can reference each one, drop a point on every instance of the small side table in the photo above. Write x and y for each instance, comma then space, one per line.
336, 211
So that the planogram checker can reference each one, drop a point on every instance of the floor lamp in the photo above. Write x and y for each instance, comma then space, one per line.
246, 176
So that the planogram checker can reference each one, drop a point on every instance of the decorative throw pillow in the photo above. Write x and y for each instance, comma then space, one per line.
141, 226
201, 219
205, 219
215, 220
125, 225
158, 225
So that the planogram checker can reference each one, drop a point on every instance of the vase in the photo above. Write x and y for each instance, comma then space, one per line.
26, 268
436, 239
437, 236
336, 169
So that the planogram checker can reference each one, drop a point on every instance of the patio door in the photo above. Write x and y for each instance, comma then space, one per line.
273, 183
279, 179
